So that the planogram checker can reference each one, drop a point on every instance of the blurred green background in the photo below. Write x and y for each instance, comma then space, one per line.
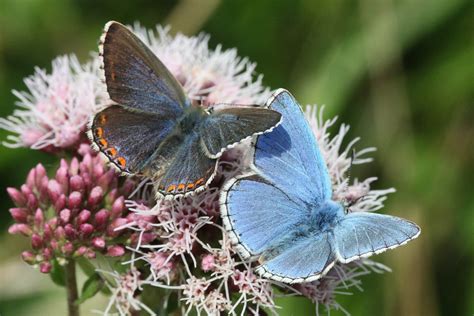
401, 73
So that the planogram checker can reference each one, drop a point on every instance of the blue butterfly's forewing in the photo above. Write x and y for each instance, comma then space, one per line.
289, 156
135, 77
363, 234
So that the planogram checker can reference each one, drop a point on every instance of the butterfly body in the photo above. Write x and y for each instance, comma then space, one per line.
299, 232
154, 129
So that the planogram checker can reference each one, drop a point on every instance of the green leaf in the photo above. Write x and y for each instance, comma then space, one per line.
57, 273
91, 287
86, 266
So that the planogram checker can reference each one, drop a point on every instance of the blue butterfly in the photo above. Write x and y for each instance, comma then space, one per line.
282, 212
154, 129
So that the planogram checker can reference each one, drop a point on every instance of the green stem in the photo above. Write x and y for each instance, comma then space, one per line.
71, 288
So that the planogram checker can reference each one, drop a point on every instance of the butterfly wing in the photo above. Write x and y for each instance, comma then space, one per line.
228, 126
256, 212
289, 156
184, 166
129, 139
306, 260
135, 77
363, 234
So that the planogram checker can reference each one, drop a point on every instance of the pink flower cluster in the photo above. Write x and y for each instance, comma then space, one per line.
178, 246
75, 213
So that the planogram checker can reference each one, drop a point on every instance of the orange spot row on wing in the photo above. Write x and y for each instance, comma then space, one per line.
111, 152
182, 187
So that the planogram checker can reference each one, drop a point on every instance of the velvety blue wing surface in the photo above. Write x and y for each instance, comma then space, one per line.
363, 234
227, 126
135, 77
305, 260
289, 156
256, 212
129, 139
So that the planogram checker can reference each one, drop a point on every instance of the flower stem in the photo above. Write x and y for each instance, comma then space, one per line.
71, 288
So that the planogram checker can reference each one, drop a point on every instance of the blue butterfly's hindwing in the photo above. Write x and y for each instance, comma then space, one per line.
282, 213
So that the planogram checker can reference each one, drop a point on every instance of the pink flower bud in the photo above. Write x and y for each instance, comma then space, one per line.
101, 218
39, 218
54, 190
148, 238
59, 233
70, 232
76, 183
20, 229
74, 167
98, 242
113, 194
118, 206
47, 232
75, 199
60, 203
40, 173
45, 267
83, 216
30, 178
29, 257
208, 262
43, 188
68, 248
54, 245
62, 178
90, 254
36, 241
86, 229
65, 215
115, 251
26, 190
112, 230
32, 202
80, 251
84, 149
95, 197
17, 197
19, 214
63, 164
47, 253
105, 180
